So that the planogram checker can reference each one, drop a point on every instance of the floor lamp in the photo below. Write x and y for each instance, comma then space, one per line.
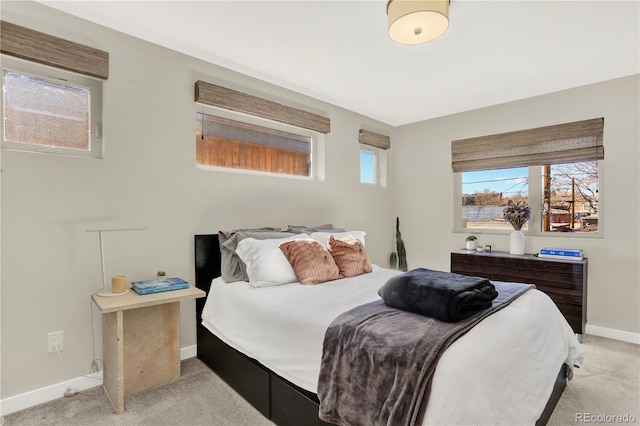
103, 291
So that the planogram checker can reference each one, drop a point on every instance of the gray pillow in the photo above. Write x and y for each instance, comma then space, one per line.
231, 267
300, 229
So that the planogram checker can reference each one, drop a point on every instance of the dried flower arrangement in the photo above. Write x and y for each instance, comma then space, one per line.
517, 214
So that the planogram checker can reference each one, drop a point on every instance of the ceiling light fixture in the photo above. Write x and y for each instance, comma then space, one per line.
417, 21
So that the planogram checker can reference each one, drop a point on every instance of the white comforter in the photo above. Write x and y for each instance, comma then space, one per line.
501, 372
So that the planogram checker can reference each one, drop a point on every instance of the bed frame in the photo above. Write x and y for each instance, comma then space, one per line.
276, 398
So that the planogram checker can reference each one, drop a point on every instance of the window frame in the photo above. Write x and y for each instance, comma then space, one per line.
535, 189
68, 78
379, 166
317, 154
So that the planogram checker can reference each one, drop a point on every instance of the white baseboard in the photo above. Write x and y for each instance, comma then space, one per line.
611, 333
55, 391
48, 393
188, 352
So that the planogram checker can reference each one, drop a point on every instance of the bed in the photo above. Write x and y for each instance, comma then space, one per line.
242, 332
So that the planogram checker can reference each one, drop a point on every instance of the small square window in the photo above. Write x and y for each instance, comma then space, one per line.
42, 113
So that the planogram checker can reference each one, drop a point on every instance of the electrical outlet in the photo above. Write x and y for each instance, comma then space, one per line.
56, 337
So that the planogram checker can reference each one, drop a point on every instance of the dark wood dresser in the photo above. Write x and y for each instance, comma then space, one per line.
564, 281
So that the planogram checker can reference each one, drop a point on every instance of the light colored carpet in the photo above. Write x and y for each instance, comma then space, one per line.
198, 397
608, 384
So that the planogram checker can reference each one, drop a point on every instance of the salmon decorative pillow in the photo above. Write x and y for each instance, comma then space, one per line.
350, 256
311, 262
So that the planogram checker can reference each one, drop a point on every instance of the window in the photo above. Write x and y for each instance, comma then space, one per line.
567, 191
373, 157
233, 144
368, 166
570, 194
555, 169
50, 110
256, 135
486, 193
373, 166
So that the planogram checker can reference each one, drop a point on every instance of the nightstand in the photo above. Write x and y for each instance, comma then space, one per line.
141, 340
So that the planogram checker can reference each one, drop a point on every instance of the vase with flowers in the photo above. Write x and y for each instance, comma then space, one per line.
517, 215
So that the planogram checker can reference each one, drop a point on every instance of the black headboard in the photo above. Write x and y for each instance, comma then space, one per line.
207, 264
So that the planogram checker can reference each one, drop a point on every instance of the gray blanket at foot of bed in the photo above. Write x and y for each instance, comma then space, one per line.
438, 294
377, 361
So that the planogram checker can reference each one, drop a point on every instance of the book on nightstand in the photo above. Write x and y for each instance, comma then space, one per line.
156, 286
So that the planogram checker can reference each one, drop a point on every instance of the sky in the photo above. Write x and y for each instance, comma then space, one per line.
507, 181
367, 166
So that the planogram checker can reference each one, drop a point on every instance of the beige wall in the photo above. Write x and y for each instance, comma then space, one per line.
424, 190
50, 264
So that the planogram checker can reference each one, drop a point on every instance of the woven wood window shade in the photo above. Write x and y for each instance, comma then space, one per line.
558, 144
221, 97
53, 51
370, 138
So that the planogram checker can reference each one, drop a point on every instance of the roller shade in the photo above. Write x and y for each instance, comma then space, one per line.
49, 50
222, 97
557, 144
370, 138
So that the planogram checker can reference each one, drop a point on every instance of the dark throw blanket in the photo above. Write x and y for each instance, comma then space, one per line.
441, 295
378, 362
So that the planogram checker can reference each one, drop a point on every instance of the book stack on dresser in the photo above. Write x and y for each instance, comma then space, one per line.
562, 254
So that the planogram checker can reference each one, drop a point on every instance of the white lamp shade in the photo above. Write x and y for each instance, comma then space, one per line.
415, 21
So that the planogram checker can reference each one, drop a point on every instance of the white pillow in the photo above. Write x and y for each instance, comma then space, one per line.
266, 263
323, 237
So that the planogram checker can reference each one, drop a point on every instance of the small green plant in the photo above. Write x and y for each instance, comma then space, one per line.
161, 274
398, 258
471, 242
